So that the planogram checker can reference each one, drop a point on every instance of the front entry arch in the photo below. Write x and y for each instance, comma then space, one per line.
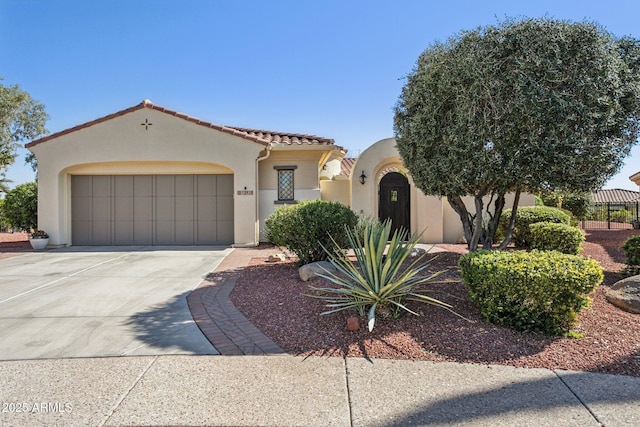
394, 201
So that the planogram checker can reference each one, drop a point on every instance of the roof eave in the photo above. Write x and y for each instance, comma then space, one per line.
148, 104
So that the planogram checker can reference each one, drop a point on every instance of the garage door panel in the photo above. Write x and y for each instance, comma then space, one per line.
206, 185
142, 208
184, 185
224, 185
152, 209
122, 232
165, 185
206, 208
81, 232
184, 208
206, 232
81, 206
101, 186
184, 233
165, 208
123, 208
143, 186
224, 231
101, 232
81, 186
101, 208
123, 186
165, 232
224, 209
142, 233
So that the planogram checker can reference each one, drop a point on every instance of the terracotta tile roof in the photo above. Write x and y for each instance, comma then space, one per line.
258, 136
615, 196
286, 138
347, 165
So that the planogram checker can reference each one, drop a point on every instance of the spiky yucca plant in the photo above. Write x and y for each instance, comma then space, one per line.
377, 281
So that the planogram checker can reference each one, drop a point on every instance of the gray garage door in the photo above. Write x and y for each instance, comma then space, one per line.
152, 210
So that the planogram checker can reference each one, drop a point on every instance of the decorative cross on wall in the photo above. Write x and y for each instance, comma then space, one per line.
146, 124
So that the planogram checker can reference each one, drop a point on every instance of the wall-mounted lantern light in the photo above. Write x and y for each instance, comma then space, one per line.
363, 177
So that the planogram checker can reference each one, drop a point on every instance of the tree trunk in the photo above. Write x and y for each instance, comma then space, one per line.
477, 227
494, 221
512, 221
459, 207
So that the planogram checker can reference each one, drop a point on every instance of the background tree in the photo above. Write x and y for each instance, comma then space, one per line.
525, 105
579, 204
20, 207
21, 118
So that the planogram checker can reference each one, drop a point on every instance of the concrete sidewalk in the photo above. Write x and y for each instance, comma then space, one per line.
293, 391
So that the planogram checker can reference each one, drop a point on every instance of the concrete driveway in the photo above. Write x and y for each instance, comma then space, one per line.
92, 301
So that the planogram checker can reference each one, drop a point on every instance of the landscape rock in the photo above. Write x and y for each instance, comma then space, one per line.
417, 252
309, 271
626, 294
353, 323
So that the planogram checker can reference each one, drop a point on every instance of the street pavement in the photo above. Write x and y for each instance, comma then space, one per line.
179, 390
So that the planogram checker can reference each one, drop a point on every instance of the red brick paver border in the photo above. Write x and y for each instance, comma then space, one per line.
224, 326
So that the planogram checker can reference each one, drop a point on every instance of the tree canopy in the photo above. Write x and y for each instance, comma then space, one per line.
20, 207
21, 118
526, 105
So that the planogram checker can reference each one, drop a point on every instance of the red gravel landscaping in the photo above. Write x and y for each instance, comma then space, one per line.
273, 298
11, 244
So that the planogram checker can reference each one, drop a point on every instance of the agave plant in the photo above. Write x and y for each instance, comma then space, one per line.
377, 281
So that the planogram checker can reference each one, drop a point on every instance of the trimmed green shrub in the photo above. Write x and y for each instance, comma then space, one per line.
631, 249
550, 236
307, 226
530, 291
527, 215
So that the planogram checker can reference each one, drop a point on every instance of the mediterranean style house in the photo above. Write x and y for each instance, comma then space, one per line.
148, 175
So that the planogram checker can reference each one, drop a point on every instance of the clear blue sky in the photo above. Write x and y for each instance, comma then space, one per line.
330, 68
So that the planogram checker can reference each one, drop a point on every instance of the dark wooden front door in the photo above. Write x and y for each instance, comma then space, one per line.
394, 201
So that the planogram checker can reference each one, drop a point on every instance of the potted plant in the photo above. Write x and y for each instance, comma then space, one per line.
39, 239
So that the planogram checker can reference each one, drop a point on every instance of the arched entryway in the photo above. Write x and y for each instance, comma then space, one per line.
394, 201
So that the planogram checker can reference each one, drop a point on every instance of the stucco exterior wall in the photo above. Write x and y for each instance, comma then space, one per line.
305, 176
123, 146
337, 190
430, 215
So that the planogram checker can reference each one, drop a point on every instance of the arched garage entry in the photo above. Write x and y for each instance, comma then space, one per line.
394, 201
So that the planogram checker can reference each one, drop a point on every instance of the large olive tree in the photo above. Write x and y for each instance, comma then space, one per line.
524, 105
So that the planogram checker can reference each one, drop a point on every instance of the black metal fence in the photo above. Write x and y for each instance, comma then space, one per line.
613, 216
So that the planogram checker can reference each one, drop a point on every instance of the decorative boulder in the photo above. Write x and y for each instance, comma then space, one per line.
309, 271
626, 294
